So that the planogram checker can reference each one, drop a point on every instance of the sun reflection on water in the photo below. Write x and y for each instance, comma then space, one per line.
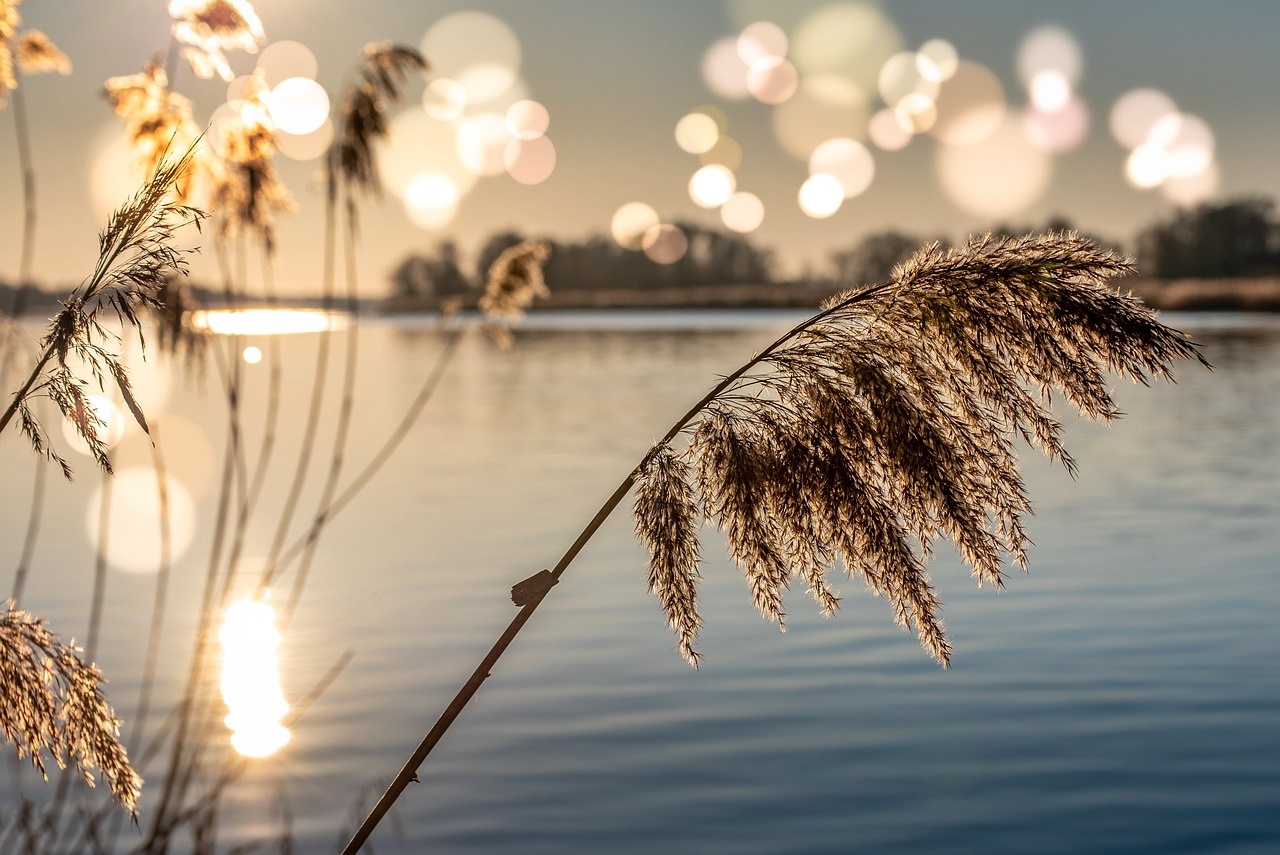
251, 679
268, 321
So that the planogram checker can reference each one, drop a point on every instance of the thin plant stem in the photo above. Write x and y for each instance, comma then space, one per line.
307, 445
409, 771
162, 590
158, 609
346, 408
38, 491
27, 163
158, 836
379, 459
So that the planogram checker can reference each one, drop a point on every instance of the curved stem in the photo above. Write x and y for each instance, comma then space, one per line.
345, 411
408, 772
375, 464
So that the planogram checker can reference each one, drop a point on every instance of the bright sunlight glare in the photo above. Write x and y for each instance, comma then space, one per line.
251, 679
268, 321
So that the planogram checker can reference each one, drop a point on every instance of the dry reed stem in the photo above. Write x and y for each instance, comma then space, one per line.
806, 462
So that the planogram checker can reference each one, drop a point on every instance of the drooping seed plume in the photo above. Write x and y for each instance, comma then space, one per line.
137, 256
384, 70
888, 420
38, 55
208, 28
247, 192
667, 521
157, 120
54, 707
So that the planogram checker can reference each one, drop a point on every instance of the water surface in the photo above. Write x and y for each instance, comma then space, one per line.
1120, 698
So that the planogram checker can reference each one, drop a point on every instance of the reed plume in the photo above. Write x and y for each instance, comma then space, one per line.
136, 257
157, 120
247, 193
54, 705
9, 20
38, 55
887, 422
384, 70
207, 28
863, 435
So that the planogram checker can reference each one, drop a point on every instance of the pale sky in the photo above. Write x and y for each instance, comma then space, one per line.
616, 76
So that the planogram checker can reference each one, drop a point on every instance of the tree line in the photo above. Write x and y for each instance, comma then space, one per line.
1236, 238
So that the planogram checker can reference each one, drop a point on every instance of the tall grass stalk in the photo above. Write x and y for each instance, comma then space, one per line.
865, 433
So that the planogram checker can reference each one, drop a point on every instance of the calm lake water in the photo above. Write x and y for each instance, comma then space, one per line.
1122, 697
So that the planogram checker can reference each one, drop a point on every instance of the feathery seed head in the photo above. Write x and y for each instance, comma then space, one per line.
515, 280
667, 521
54, 706
384, 70
207, 28
38, 55
156, 121
9, 20
247, 191
887, 421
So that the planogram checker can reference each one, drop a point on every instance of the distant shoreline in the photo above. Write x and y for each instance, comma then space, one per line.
1183, 295
1257, 294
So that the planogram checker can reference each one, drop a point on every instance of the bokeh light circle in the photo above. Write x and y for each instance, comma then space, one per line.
887, 132
744, 212
970, 105
528, 119
1194, 189
1050, 48
821, 195
697, 132
1061, 130
1189, 141
938, 59
431, 200
298, 105
307, 146
999, 176
727, 152
916, 113
1050, 90
723, 70
846, 159
772, 80
850, 39
902, 75
630, 223
824, 107
477, 50
760, 40
711, 186
444, 99
530, 161
134, 526
415, 145
482, 143
111, 427
284, 59
665, 244
1148, 166
1136, 112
